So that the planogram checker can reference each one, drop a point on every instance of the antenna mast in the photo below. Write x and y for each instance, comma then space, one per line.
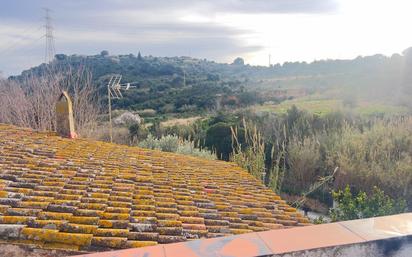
114, 89
50, 50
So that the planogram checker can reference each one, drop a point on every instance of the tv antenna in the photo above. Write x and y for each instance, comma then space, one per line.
114, 91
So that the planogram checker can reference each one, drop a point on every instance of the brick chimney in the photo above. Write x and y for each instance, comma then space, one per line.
64, 116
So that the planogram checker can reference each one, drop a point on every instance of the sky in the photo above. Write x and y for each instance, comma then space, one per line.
219, 30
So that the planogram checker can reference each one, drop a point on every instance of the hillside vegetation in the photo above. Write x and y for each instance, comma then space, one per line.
184, 84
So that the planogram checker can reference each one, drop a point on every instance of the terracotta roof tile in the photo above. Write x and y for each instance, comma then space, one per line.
88, 195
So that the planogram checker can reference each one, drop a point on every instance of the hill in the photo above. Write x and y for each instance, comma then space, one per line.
181, 84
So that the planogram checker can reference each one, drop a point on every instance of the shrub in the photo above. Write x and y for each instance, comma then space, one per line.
378, 155
137, 132
304, 165
127, 118
171, 143
361, 205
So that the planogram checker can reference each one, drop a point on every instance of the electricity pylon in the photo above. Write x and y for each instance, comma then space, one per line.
50, 49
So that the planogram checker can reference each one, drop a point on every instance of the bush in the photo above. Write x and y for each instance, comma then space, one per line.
378, 155
304, 165
350, 206
127, 118
167, 143
171, 143
137, 132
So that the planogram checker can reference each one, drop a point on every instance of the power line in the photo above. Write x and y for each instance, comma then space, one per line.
17, 43
50, 49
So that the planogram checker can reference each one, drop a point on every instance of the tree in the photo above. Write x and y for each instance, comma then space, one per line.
239, 61
104, 53
60, 57
407, 52
31, 101
219, 139
139, 56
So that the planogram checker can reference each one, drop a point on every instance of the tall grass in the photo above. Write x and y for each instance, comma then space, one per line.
252, 156
302, 154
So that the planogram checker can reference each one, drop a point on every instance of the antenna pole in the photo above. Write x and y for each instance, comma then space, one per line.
110, 113
114, 89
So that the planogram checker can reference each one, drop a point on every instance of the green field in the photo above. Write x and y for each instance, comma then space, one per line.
325, 106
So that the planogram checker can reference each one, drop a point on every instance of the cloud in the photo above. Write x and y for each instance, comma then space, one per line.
232, 6
161, 27
279, 6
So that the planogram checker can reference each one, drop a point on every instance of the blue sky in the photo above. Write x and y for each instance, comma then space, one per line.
220, 30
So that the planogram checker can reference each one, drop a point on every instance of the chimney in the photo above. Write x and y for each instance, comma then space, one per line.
64, 115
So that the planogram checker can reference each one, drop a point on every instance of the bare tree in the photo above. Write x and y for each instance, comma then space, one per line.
30, 102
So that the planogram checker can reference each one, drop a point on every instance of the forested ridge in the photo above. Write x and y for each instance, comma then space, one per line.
179, 84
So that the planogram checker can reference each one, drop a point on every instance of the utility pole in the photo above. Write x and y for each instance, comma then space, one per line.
50, 49
110, 114
270, 63
184, 78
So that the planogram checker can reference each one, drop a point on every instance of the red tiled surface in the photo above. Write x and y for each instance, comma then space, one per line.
85, 195
381, 227
304, 238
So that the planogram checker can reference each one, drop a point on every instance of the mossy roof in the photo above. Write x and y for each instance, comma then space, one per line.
89, 195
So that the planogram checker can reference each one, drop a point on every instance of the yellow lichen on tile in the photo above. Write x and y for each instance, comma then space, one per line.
39, 234
170, 223
135, 244
111, 232
52, 224
30, 204
73, 238
111, 242
114, 216
54, 215
93, 206
15, 219
79, 228
106, 223
84, 220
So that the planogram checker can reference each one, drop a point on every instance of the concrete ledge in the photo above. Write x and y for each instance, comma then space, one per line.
382, 236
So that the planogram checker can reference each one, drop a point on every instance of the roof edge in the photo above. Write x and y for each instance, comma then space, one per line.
375, 234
